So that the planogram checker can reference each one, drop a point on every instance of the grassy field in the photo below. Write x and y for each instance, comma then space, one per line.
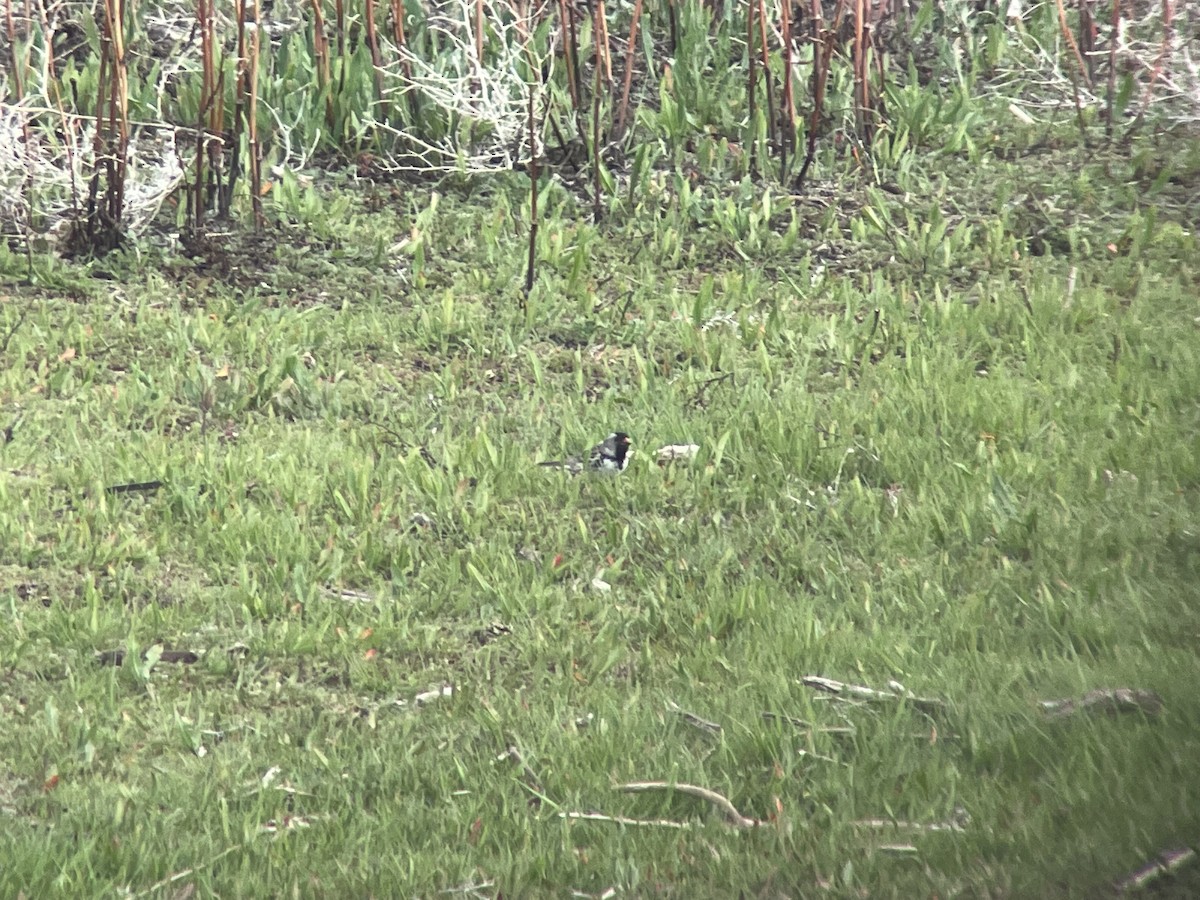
948, 438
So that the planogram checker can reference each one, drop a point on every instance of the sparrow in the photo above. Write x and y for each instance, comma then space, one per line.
610, 456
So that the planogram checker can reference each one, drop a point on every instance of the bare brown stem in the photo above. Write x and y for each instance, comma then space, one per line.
479, 32
571, 54
321, 54
601, 39
1110, 100
751, 82
768, 78
101, 227
252, 123
630, 62
372, 38
1070, 39
1164, 53
824, 40
400, 38
597, 208
861, 86
530, 269
787, 144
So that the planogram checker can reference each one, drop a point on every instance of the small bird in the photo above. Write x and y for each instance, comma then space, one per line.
610, 456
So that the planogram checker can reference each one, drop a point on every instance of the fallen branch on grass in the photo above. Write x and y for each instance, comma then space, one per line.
117, 657
931, 736
622, 820
727, 809
1167, 862
115, 490
288, 823
141, 487
845, 730
271, 826
857, 692
693, 719
1108, 701
819, 757
186, 873
957, 822
406, 446
606, 894
8, 335
473, 890
137, 487
420, 701
346, 595
699, 397
529, 779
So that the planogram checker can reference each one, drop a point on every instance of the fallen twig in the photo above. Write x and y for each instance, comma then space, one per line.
346, 595
420, 701
846, 730
267, 781
1167, 862
957, 823
117, 657
472, 890
727, 809
693, 719
819, 757
184, 873
606, 894
858, 692
405, 446
529, 779
8, 336
288, 823
699, 395
898, 849
1108, 701
623, 820
136, 487
931, 736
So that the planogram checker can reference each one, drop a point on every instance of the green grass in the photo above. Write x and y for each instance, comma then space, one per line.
282, 392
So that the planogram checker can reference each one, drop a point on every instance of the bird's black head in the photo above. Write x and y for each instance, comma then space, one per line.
621, 442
